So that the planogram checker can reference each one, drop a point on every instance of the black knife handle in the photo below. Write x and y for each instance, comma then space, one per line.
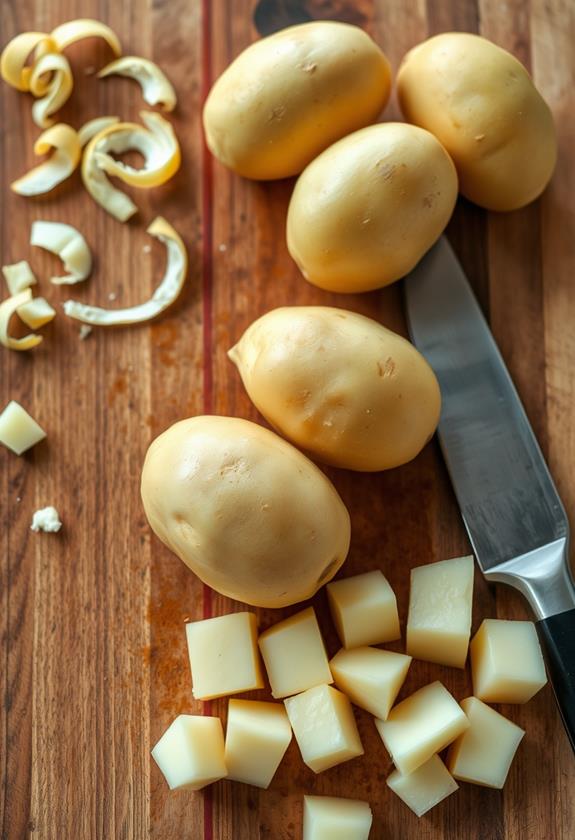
557, 637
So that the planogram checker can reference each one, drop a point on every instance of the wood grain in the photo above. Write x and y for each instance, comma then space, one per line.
94, 665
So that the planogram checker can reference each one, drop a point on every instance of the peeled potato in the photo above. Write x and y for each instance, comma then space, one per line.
341, 386
365, 211
246, 511
481, 103
289, 96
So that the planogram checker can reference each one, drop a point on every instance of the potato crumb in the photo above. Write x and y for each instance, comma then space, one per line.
46, 519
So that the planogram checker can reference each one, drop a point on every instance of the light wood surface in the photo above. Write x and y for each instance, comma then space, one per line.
93, 657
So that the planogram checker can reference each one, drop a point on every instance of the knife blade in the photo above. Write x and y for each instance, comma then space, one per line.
514, 517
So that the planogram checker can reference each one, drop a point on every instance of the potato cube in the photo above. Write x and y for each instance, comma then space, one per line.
421, 725
19, 431
506, 661
425, 788
18, 276
294, 655
334, 818
370, 677
36, 312
439, 620
364, 609
484, 752
224, 655
190, 753
257, 737
324, 726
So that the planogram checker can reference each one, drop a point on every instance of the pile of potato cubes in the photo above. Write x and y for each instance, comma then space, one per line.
506, 665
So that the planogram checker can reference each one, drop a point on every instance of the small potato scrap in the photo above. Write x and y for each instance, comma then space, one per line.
18, 276
164, 296
36, 312
69, 244
18, 429
46, 519
56, 92
156, 87
76, 30
63, 141
13, 62
7, 309
158, 144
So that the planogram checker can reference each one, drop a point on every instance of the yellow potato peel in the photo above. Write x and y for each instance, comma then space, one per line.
93, 127
58, 90
156, 141
69, 244
13, 67
156, 87
7, 308
63, 141
165, 294
76, 30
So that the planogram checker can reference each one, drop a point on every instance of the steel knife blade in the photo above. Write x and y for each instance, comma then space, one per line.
511, 509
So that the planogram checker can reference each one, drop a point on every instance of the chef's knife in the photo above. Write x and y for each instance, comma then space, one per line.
514, 517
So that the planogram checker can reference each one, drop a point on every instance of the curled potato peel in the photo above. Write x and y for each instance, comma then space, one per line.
158, 144
63, 141
93, 127
13, 62
69, 244
7, 309
155, 140
56, 92
76, 30
156, 87
165, 294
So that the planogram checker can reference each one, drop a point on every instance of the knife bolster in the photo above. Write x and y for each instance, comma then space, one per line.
542, 576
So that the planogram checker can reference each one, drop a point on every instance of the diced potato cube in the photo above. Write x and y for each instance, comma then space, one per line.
257, 737
294, 655
190, 753
425, 788
333, 818
506, 661
36, 312
19, 431
439, 621
18, 276
421, 725
364, 609
484, 752
324, 726
370, 677
224, 655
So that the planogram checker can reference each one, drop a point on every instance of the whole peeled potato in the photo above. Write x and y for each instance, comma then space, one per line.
365, 211
480, 102
289, 96
339, 385
246, 511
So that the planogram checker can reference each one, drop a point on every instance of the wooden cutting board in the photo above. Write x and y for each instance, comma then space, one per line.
94, 664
